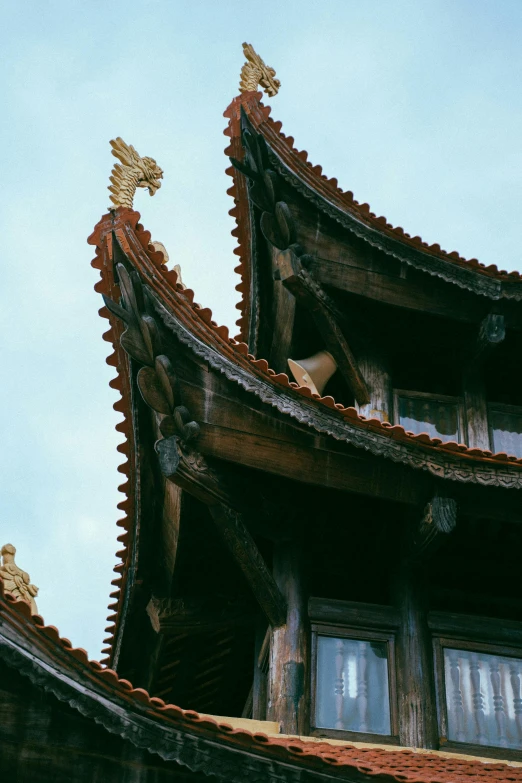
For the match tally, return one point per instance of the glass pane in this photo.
(507, 432)
(352, 686)
(438, 419)
(483, 698)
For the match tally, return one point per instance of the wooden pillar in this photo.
(289, 685)
(374, 369)
(415, 680)
(476, 409)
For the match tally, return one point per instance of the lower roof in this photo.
(205, 744)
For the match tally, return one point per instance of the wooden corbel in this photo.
(189, 470)
(326, 316)
(438, 520)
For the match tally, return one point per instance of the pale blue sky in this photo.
(414, 105)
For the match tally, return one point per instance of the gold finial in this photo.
(255, 73)
(136, 172)
(17, 582)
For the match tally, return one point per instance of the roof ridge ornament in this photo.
(255, 73)
(133, 172)
(17, 582)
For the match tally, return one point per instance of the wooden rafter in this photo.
(197, 615)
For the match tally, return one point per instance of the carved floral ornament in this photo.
(17, 582)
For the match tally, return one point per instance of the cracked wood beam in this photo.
(189, 470)
(438, 520)
(326, 316)
(197, 615)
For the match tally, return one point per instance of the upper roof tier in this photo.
(282, 166)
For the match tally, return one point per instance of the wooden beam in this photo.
(310, 294)
(438, 520)
(374, 367)
(189, 470)
(197, 615)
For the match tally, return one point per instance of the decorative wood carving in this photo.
(438, 520)
(492, 332)
(136, 172)
(17, 582)
(190, 471)
(255, 73)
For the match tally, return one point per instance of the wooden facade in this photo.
(344, 566)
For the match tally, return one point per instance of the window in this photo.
(353, 685)
(438, 415)
(505, 428)
(483, 698)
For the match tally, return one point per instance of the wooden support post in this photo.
(415, 680)
(289, 651)
(375, 370)
(491, 333)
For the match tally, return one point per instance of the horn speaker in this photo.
(314, 372)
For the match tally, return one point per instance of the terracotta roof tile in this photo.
(391, 764)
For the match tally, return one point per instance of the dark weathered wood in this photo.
(311, 296)
(189, 470)
(476, 628)
(415, 677)
(375, 370)
(261, 666)
(197, 615)
(437, 522)
(492, 332)
(476, 409)
(289, 649)
(281, 322)
(353, 614)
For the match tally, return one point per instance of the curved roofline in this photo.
(194, 326)
(293, 165)
(200, 742)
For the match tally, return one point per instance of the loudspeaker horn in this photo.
(314, 372)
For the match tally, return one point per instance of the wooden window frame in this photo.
(366, 635)
(501, 407)
(444, 398)
(449, 637)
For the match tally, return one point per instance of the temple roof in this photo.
(202, 743)
(293, 165)
(119, 235)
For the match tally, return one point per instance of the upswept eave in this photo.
(294, 166)
(199, 742)
(193, 325)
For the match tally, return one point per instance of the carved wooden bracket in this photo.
(189, 470)
(326, 316)
(492, 332)
(438, 520)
